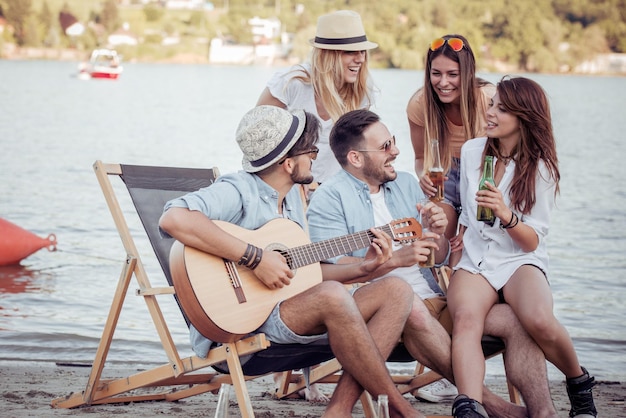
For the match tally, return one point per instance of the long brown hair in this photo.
(525, 99)
(327, 79)
(435, 118)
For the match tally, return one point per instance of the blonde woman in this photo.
(334, 82)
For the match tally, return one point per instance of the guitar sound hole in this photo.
(284, 251)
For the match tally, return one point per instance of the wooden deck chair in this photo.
(329, 372)
(149, 188)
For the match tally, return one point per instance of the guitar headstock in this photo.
(405, 229)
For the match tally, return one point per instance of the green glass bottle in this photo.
(482, 213)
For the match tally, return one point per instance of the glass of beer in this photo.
(435, 175)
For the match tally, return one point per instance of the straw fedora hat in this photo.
(341, 31)
(266, 134)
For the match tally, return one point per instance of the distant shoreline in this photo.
(13, 53)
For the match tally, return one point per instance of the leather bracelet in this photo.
(247, 257)
(257, 258)
(510, 222)
(513, 223)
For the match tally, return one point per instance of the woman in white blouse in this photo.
(507, 261)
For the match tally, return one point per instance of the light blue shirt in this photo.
(243, 199)
(342, 206)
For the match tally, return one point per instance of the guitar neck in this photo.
(323, 250)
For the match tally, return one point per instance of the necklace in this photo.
(505, 160)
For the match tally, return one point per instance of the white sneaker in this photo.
(439, 391)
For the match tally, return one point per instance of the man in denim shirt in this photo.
(363, 328)
(369, 192)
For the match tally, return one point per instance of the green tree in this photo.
(17, 13)
(153, 12)
(30, 35)
(109, 16)
(46, 23)
(517, 35)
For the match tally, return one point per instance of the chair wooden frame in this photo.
(177, 377)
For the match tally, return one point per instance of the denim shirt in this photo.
(342, 206)
(243, 199)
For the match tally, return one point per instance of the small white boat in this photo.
(103, 63)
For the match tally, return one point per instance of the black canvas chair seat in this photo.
(491, 347)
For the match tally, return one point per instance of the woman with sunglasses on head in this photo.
(334, 82)
(506, 260)
(450, 108)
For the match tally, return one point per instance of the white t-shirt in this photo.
(298, 95)
(412, 275)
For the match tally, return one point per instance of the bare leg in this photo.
(429, 343)
(451, 230)
(360, 346)
(524, 362)
(530, 296)
(470, 297)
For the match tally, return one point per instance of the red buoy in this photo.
(17, 243)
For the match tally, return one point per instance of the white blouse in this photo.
(489, 250)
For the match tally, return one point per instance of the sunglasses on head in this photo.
(456, 44)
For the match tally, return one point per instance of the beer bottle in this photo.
(482, 213)
(435, 173)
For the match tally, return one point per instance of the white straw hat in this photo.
(341, 31)
(266, 134)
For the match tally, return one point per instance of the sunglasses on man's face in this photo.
(456, 44)
(311, 152)
(385, 147)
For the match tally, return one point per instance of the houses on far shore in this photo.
(269, 42)
(603, 64)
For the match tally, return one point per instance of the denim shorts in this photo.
(452, 186)
(276, 331)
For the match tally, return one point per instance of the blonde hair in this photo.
(327, 78)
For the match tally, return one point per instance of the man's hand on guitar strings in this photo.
(273, 270)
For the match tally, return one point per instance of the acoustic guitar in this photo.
(225, 301)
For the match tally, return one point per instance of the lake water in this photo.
(53, 126)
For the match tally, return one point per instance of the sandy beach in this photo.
(27, 388)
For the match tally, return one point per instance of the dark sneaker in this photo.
(580, 396)
(464, 407)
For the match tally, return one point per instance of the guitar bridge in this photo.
(235, 281)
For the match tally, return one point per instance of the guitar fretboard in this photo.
(323, 250)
